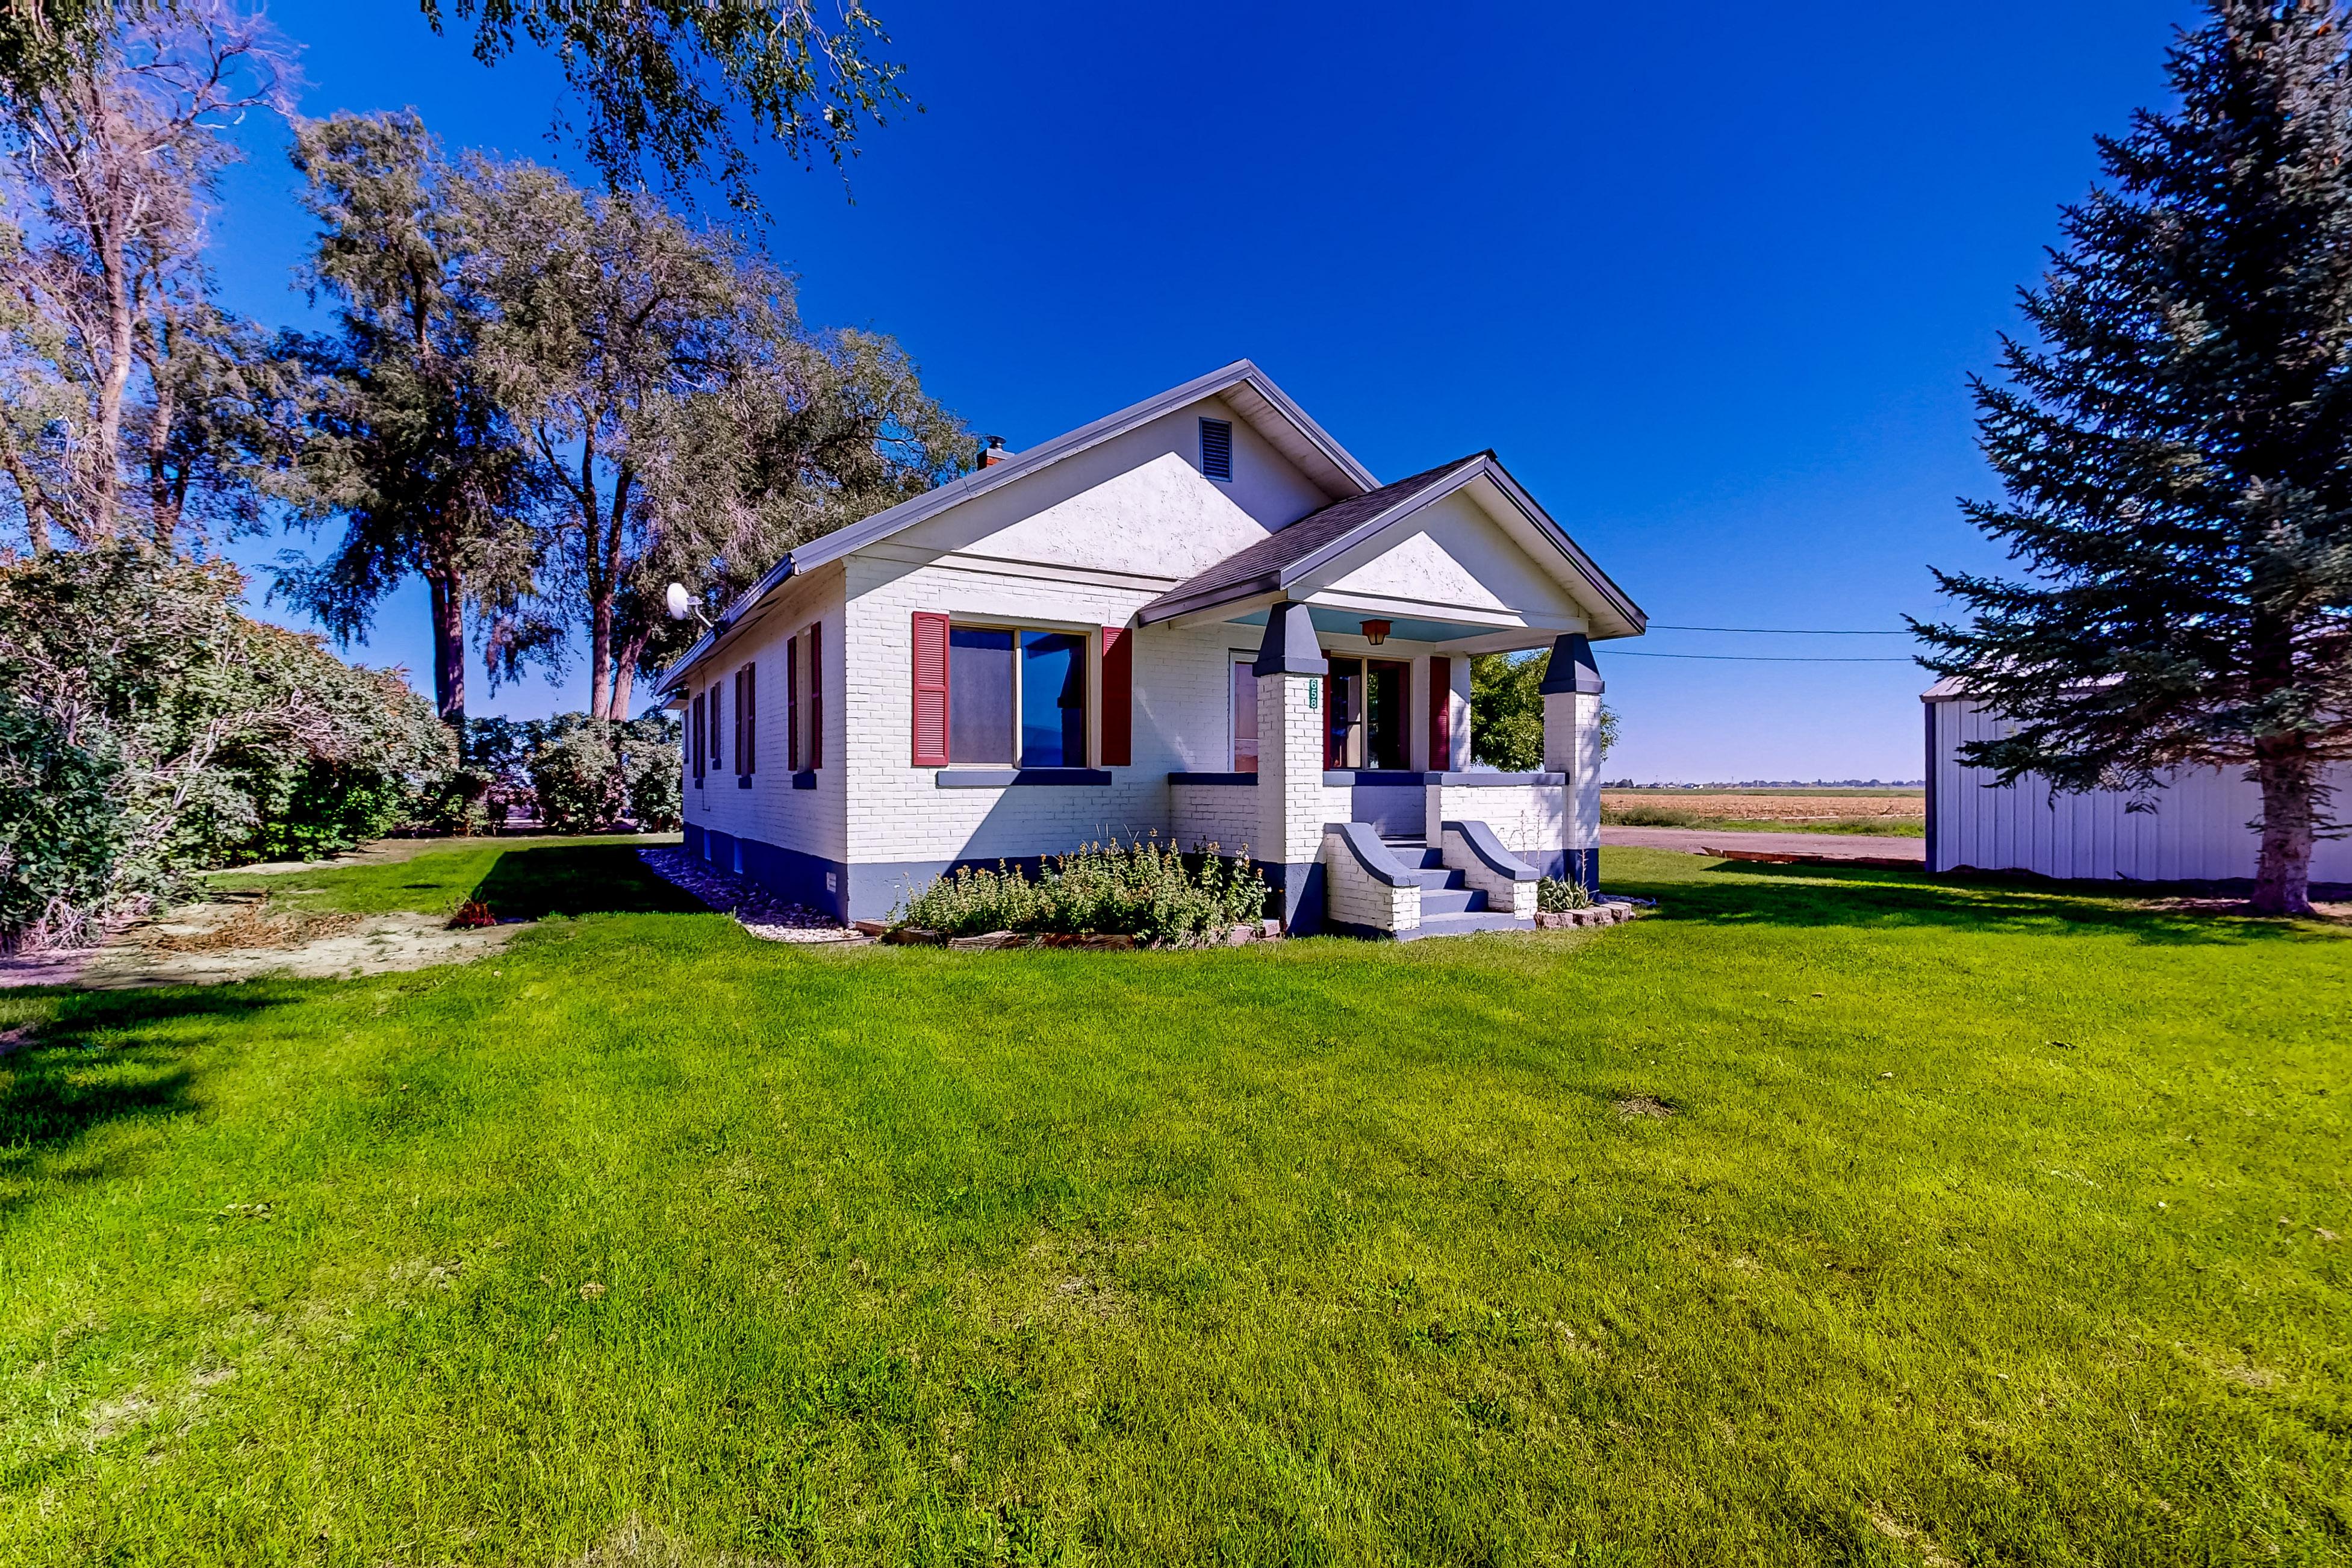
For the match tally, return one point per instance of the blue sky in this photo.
(1710, 278)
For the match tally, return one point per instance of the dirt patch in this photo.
(190, 948)
(254, 925)
(1643, 1105)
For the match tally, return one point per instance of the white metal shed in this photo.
(2201, 829)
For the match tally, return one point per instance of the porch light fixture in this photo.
(1376, 632)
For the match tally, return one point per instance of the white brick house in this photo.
(1199, 616)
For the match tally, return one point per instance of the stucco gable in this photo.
(1451, 553)
(1138, 504)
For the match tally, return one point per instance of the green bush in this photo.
(62, 832)
(588, 776)
(1145, 890)
(1555, 896)
(175, 734)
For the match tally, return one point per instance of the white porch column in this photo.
(1571, 695)
(1290, 670)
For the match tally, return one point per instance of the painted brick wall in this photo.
(1353, 895)
(1531, 819)
(1572, 746)
(898, 812)
(772, 811)
(1222, 814)
(1294, 802)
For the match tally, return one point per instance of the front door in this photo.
(1367, 715)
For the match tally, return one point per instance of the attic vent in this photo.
(1217, 449)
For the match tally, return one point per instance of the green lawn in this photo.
(527, 879)
(1986, 1229)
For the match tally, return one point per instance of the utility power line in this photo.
(1754, 658)
(1778, 631)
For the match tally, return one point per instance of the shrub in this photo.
(588, 775)
(172, 733)
(1555, 896)
(1145, 888)
(579, 780)
(62, 832)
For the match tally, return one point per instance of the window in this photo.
(792, 704)
(1217, 449)
(1016, 697)
(804, 701)
(747, 721)
(1244, 716)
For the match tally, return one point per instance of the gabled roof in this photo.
(1285, 557)
(1267, 564)
(1246, 389)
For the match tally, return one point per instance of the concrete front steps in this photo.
(1447, 907)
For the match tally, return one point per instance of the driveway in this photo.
(1701, 840)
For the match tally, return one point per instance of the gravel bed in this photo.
(758, 910)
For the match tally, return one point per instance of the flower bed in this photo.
(1146, 891)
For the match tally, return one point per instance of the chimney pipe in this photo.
(992, 451)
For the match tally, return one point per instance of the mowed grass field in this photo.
(1895, 813)
(1990, 1225)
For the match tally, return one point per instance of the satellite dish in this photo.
(680, 605)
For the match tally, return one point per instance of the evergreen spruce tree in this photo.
(2176, 451)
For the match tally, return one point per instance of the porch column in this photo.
(1290, 670)
(1571, 697)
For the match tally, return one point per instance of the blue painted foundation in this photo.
(869, 891)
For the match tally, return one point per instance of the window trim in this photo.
(1090, 654)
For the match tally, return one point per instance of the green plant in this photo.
(1144, 889)
(1556, 896)
(1507, 711)
(170, 732)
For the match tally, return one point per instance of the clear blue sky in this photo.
(1710, 278)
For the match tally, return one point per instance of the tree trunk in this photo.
(448, 644)
(625, 673)
(600, 657)
(2285, 768)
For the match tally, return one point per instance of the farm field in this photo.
(1896, 813)
(1827, 1215)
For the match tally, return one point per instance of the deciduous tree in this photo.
(130, 404)
(407, 443)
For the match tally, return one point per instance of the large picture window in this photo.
(1016, 696)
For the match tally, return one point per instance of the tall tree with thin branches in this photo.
(129, 394)
(2173, 448)
(407, 442)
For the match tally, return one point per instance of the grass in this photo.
(522, 879)
(1985, 1228)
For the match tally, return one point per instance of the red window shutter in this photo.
(1441, 713)
(735, 688)
(750, 731)
(694, 734)
(931, 691)
(816, 696)
(1117, 697)
(792, 704)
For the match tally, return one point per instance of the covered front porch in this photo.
(1351, 772)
